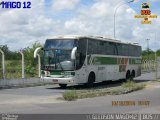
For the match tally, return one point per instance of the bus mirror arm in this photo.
(73, 53)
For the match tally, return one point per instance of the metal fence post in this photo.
(158, 68)
(3, 64)
(21, 52)
(39, 65)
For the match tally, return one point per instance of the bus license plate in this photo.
(55, 80)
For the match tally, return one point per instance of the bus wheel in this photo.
(91, 79)
(63, 85)
(128, 76)
(132, 74)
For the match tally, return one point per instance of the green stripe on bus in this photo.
(112, 61)
(62, 73)
(55, 72)
(104, 60)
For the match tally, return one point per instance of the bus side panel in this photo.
(80, 75)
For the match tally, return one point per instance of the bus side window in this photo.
(111, 48)
(120, 48)
(115, 50)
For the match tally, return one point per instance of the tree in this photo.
(148, 54)
(30, 62)
(9, 55)
(158, 52)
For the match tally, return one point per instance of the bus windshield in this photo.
(59, 44)
(57, 54)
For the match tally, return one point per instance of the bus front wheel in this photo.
(63, 85)
(91, 79)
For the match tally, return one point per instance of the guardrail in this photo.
(30, 82)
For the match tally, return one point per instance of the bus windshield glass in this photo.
(57, 54)
(59, 44)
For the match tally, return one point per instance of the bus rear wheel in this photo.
(132, 74)
(91, 79)
(128, 76)
(63, 85)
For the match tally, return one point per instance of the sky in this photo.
(20, 28)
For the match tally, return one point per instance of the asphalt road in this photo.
(42, 99)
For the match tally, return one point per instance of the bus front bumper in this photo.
(70, 80)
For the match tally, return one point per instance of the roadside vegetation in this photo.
(132, 86)
(148, 60)
(125, 88)
(150, 54)
(158, 80)
(70, 95)
(13, 62)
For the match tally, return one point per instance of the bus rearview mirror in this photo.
(73, 53)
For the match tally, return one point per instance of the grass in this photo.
(130, 85)
(13, 70)
(70, 95)
(158, 80)
(125, 88)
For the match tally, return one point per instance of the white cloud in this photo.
(155, 0)
(59, 5)
(20, 28)
(98, 20)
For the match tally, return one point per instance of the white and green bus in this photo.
(83, 59)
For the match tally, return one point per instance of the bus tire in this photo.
(132, 74)
(91, 79)
(128, 76)
(63, 85)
